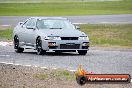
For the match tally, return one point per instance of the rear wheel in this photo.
(40, 51)
(82, 52)
(16, 45)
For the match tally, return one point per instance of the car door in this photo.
(29, 32)
(21, 34)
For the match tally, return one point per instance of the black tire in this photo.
(81, 80)
(40, 51)
(16, 45)
(82, 52)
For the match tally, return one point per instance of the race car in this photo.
(49, 34)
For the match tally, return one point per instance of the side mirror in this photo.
(77, 27)
(21, 23)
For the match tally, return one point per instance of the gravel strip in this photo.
(12, 76)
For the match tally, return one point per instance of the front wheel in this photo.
(40, 51)
(16, 45)
(82, 52)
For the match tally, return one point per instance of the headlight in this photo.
(83, 38)
(53, 38)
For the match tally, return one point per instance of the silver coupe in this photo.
(49, 34)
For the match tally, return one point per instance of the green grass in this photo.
(66, 8)
(57, 74)
(41, 76)
(109, 35)
(6, 34)
(42, 1)
(100, 35)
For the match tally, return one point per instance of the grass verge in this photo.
(66, 8)
(109, 35)
(6, 34)
(56, 74)
(99, 34)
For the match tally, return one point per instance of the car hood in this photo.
(62, 32)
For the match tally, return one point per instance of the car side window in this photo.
(30, 23)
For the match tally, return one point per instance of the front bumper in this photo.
(65, 45)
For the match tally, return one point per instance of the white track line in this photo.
(54, 68)
(4, 55)
(72, 70)
(2, 43)
(5, 25)
(16, 64)
(9, 63)
(35, 66)
(80, 23)
(44, 67)
(27, 65)
(3, 62)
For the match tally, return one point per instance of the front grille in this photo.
(69, 38)
(64, 46)
(52, 47)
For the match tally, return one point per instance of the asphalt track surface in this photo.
(96, 61)
(91, 19)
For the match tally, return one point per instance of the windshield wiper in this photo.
(55, 28)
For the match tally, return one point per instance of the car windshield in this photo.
(54, 24)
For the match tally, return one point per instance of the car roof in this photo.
(54, 18)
